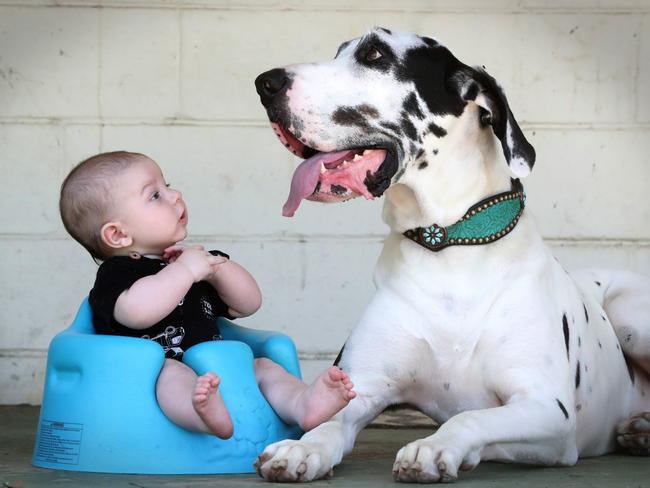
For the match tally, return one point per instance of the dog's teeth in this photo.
(366, 151)
(357, 157)
(322, 168)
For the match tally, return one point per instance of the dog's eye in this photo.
(373, 54)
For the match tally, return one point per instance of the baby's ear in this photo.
(114, 237)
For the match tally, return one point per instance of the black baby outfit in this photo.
(191, 322)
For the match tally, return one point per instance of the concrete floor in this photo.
(369, 465)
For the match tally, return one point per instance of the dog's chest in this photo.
(450, 378)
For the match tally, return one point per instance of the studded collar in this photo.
(487, 221)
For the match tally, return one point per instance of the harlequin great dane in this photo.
(473, 322)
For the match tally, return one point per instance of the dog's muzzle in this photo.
(329, 176)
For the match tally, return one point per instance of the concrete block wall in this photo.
(174, 79)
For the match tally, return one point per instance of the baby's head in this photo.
(118, 202)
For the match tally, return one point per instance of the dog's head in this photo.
(382, 107)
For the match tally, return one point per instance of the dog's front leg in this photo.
(315, 454)
(526, 430)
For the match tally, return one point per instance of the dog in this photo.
(473, 322)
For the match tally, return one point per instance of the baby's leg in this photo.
(192, 402)
(298, 403)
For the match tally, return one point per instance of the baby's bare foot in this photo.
(331, 391)
(210, 407)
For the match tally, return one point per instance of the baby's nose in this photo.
(176, 195)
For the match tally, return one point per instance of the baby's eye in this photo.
(155, 196)
(168, 185)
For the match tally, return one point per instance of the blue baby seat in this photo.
(100, 412)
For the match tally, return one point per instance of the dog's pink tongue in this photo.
(305, 178)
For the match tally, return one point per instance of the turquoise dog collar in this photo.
(487, 221)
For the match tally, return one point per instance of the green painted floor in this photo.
(369, 465)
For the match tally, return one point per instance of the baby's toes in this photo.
(200, 398)
(344, 376)
(335, 374)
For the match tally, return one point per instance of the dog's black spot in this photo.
(391, 127)
(630, 368)
(446, 386)
(579, 342)
(586, 314)
(600, 345)
(429, 68)
(350, 116)
(436, 130)
(338, 358)
(597, 282)
(435, 151)
(419, 154)
(578, 407)
(339, 190)
(564, 411)
(578, 375)
(368, 110)
(386, 31)
(565, 328)
(603, 317)
(413, 148)
(586, 368)
(412, 107)
(408, 128)
(423, 165)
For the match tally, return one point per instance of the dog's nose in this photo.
(270, 84)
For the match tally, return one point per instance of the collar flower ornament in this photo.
(433, 234)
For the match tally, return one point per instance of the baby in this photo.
(119, 207)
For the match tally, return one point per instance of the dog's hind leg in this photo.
(625, 297)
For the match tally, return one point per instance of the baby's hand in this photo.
(220, 260)
(199, 261)
(172, 252)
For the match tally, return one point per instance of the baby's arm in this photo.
(237, 288)
(152, 298)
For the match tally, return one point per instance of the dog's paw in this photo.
(294, 461)
(633, 434)
(427, 461)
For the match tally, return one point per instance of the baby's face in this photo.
(150, 212)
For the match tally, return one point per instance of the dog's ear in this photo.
(476, 85)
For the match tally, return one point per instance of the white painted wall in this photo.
(174, 79)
